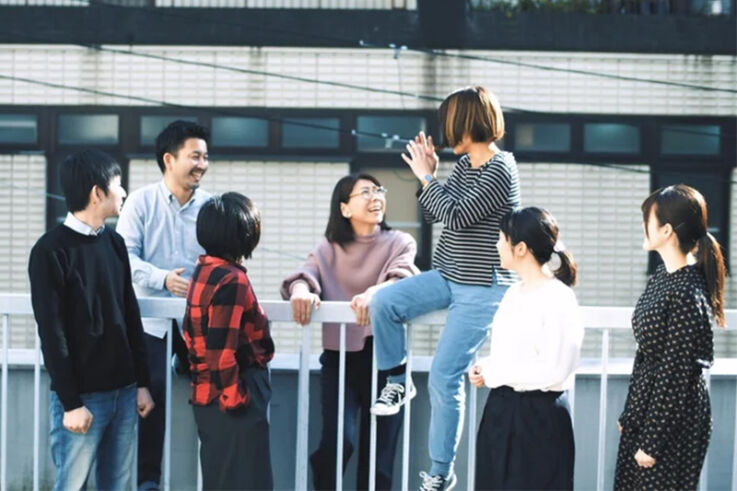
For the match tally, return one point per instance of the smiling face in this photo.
(188, 165)
(366, 205)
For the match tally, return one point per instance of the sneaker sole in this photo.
(392, 410)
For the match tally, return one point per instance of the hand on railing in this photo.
(77, 420)
(475, 377)
(144, 402)
(302, 300)
(360, 305)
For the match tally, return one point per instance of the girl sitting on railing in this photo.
(525, 440)
(358, 256)
(466, 277)
(230, 345)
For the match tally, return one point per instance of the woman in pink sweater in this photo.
(359, 255)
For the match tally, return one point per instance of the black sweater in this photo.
(87, 313)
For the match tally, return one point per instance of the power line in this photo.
(434, 52)
(401, 93)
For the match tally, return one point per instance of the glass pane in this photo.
(100, 129)
(543, 137)
(690, 139)
(240, 132)
(611, 138)
(151, 126)
(18, 128)
(392, 128)
(305, 136)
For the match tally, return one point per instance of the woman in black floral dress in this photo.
(666, 422)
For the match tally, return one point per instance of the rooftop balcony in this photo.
(596, 400)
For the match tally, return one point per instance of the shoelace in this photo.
(387, 393)
(430, 483)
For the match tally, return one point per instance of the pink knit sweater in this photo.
(339, 273)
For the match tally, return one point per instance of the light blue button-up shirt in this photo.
(161, 235)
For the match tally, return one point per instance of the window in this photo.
(310, 133)
(690, 139)
(393, 129)
(611, 138)
(542, 137)
(151, 126)
(81, 129)
(240, 132)
(18, 128)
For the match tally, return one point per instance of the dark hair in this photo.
(229, 226)
(81, 171)
(684, 208)
(472, 111)
(171, 138)
(339, 229)
(538, 229)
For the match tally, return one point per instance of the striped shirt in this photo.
(226, 332)
(470, 205)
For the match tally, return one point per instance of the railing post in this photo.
(472, 404)
(572, 400)
(303, 411)
(341, 412)
(36, 410)
(372, 443)
(407, 411)
(167, 404)
(601, 452)
(4, 410)
(704, 478)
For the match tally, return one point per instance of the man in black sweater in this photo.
(90, 329)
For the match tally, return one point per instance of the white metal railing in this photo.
(599, 318)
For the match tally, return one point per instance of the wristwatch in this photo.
(428, 178)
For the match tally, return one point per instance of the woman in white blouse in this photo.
(525, 440)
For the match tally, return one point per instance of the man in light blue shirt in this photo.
(158, 223)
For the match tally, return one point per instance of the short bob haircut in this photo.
(229, 227)
(82, 171)
(472, 111)
(339, 229)
(172, 138)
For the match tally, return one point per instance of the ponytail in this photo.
(567, 271)
(710, 261)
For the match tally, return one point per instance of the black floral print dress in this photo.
(667, 413)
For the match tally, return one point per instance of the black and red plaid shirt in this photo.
(226, 331)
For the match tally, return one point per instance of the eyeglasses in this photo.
(367, 194)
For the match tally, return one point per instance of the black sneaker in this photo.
(437, 483)
(392, 398)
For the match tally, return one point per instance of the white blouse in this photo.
(536, 339)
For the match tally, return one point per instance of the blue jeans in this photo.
(111, 441)
(471, 309)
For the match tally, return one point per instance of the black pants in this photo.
(151, 429)
(525, 441)
(235, 452)
(358, 398)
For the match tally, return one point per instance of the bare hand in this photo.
(422, 158)
(175, 283)
(475, 377)
(144, 402)
(643, 459)
(78, 420)
(619, 427)
(360, 305)
(302, 300)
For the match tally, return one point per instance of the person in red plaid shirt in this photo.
(227, 334)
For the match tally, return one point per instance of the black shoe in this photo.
(437, 483)
(392, 398)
